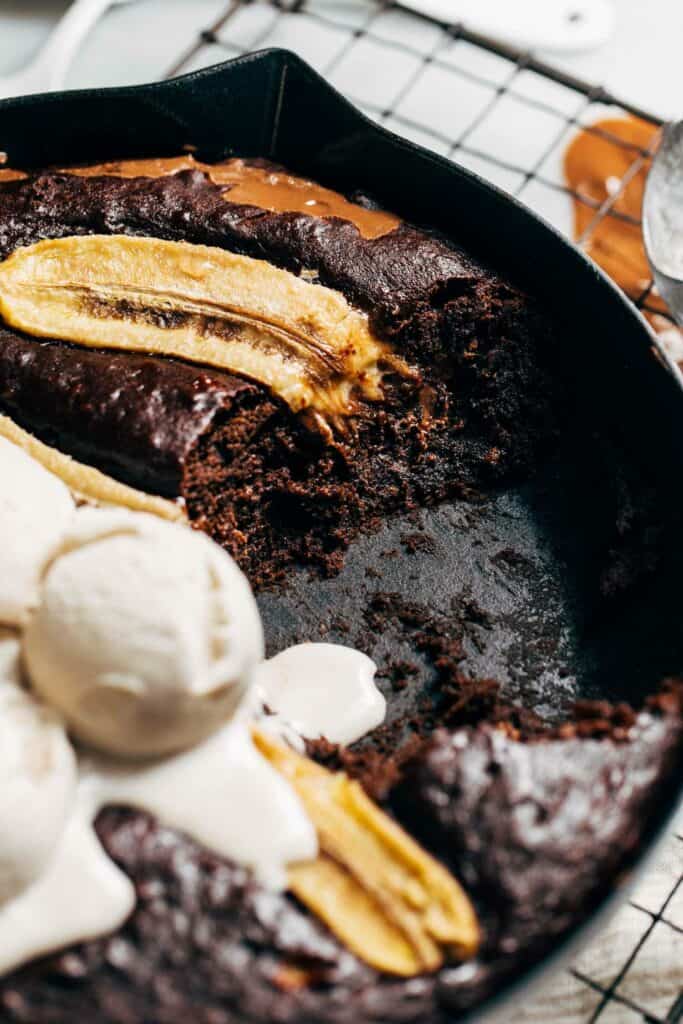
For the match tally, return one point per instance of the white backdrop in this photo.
(643, 62)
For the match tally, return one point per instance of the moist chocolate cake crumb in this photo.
(477, 411)
(400, 673)
(284, 495)
(378, 761)
(418, 542)
(439, 638)
(379, 767)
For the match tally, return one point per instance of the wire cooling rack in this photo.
(509, 117)
(497, 110)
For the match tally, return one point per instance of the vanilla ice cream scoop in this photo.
(35, 510)
(145, 634)
(37, 780)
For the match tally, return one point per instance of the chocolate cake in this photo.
(252, 474)
(459, 396)
(535, 828)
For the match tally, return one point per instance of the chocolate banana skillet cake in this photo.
(348, 328)
(235, 349)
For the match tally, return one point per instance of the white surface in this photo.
(452, 98)
(48, 68)
(641, 62)
(558, 25)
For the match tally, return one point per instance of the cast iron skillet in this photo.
(530, 560)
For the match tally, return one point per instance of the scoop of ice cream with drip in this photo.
(145, 634)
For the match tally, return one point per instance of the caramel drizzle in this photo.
(7, 174)
(251, 185)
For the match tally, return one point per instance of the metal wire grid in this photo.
(330, 37)
(382, 56)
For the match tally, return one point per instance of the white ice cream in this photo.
(10, 657)
(226, 795)
(323, 690)
(35, 510)
(37, 780)
(223, 793)
(80, 895)
(145, 634)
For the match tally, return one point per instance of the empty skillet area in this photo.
(559, 588)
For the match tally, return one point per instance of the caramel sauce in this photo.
(257, 186)
(594, 164)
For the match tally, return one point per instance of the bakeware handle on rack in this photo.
(47, 71)
(559, 25)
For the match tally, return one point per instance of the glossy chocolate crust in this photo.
(556, 817)
(278, 496)
(134, 416)
(423, 295)
(396, 277)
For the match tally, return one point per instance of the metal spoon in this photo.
(47, 71)
(663, 218)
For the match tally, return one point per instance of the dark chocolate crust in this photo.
(133, 416)
(538, 830)
(423, 294)
(254, 476)
(395, 277)
(555, 817)
(206, 945)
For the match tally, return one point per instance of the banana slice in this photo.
(85, 482)
(301, 340)
(377, 890)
